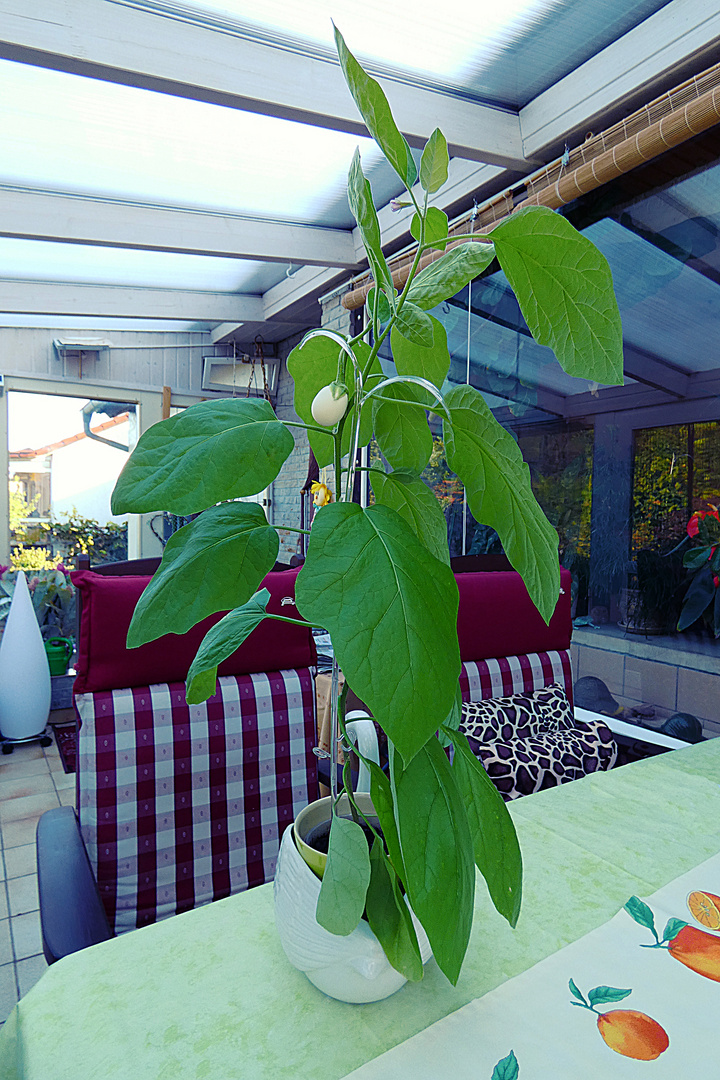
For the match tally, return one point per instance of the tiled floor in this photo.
(32, 780)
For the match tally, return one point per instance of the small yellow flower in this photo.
(321, 494)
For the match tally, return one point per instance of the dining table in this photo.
(210, 993)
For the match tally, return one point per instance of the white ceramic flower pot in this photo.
(352, 968)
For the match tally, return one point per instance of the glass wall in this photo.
(618, 470)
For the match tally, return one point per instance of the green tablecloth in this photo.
(210, 993)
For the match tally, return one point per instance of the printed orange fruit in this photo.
(697, 950)
(705, 907)
(633, 1034)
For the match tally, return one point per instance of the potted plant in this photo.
(378, 579)
(702, 598)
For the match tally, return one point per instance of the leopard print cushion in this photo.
(528, 742)
(519, 716)
(524, 766)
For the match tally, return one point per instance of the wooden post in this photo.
(167, 393)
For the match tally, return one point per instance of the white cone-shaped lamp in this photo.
(24, 670)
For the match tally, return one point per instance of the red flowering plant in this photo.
(703, 564)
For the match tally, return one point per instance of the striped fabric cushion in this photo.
(180, 805)
(515, 675)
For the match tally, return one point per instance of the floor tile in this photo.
(12, 768)
(29, 971)
(18, 833)
(8, 990)
(67, 796)
(26, 935)
(6, 949)
(20, 861)
(29, 806)
(25, 752)
(23, 895)
(4, 913)
(25, 786)
(62, 780)
(52, 757)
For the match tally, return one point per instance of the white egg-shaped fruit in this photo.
(329, 405)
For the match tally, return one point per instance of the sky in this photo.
(34, 420)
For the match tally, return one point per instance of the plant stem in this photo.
(286, 618)
(477, 237)
(334, 699)
(308, 427)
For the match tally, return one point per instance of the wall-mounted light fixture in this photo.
(241, 374)
(82, 349)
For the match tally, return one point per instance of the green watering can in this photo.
(59, 650)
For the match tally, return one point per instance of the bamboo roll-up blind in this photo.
(671, 119)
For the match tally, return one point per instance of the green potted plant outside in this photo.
(378, 579)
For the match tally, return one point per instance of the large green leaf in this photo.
(391, 610)
(489, 463)
(700, 594)
(413, 500)
(415, 325)
(437, 852)
(345, 880)
(390, 919)
(213, 451)
(214, 563)
(384, 311)
(564, 287)
(363, 210)
(435, 233)
(221, 641)
(696, 557)
(382, 800)
(314, 364)
(495, 842)
(402, 430)
(375, 111)
(447, 275)
(452, 721)
(428, 362)
(434, 162)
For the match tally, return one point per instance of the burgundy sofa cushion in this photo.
(497, 617)
(105, 663)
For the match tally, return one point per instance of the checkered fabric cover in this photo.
(515, 675)
(182, 804)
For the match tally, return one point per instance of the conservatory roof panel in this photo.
(70, 133)
(503, 53)
(225, 114)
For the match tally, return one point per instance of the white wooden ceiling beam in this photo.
(44, 215)
(465, 180)
(224, 332)
(193, 58)
(680, 30)
(63, 298)
(270, 332)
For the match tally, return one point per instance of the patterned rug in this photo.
(66, 740)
